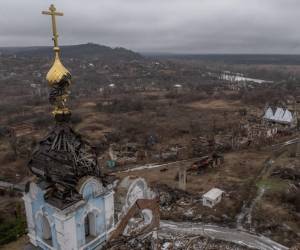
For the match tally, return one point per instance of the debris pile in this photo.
(126, 154)
(141, 242)
(182, 242)
(202, 146)
(213, 161)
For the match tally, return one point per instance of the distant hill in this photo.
(234, 58)
(89, 50)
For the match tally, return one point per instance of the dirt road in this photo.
(220, 233)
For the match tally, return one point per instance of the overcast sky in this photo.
(174, 26)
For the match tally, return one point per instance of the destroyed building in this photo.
(257, 133)
(120, 155)
(70, 204)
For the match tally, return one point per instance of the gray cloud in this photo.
(176, 26)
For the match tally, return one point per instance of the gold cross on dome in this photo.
(52, 12)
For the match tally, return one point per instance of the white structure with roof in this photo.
(212, 197)
(281, 116)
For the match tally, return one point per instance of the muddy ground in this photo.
(174, 119)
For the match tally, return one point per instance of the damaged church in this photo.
(70, 204)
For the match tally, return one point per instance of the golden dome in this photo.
(58, 71)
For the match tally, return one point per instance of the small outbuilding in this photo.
(212, 197)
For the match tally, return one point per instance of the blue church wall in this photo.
(41, 209)
(51, 228)
(95, 206)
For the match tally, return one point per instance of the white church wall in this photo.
(67, 230)
(95, 207)
(109, 211)
(40, 212)
(30, 219)
(65, 226)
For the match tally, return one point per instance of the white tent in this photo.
(269, 114)
(278, 114)
(281, 115)
(287, 117)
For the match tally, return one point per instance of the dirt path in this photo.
(152, 166)
(245, 216)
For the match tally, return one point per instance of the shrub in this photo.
(12, 229)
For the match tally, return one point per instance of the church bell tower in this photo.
(69, 206)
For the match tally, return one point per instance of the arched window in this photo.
(46, 231)
(90, 227)
(87, 226)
